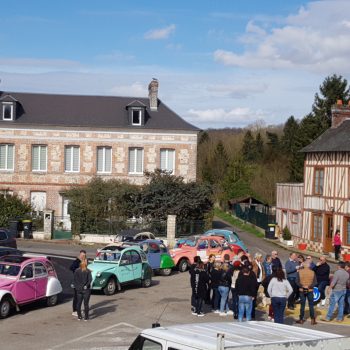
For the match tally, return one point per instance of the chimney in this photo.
(340, 113)
(153, 94)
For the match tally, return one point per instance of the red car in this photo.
(205, 245)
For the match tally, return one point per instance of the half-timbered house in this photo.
(325, 197)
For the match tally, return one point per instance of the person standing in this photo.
(292, 266)
(268, 265)
(82, 285)
(279, 290)
(259, 271)
(306, 281)
(246, 287)
(265, 284)
(235, 273)
(322, 271)
(214, 280)
(275, 260)
(209, 268)
(337, 244)
(200, 287)
(347, 296)
(224, 288)
(196, 261)
(338, 285)
(75, 265)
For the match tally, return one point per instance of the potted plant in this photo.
(287, 236)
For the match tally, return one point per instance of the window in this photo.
(71, 159)
(7, 111)
(6, 157)
(39, 158)
(136, 160)
(347, 231)
(318, 181)
(40, 270)
(167, 160)
(126, 259)
(317, 228)
(295, 218)
(6, 193)
(104, 159)
(3, 236)
(136, 115)
(27, 272)
(135, 257)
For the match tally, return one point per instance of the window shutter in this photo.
(100, 159)
(35, 159)
(139, 160)
(108, 159)
(132, 155)
(2, 157)
(171, 155)
(43, 158)
(67, 159)
(163, 159)
(10, 156)
(75, 158)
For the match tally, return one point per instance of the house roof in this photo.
(37, 109)
(247, 199)
(332, 140)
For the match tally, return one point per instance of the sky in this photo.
(224, 63)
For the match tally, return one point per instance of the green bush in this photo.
(13, 207)
(287, 236)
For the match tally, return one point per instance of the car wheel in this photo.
(166, 272)
(111, 287)
(183, 265)
(52, 300)
(147, 282)
(5, 307)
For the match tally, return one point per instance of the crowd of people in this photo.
(231, 287)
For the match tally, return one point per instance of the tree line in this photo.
(250, 161)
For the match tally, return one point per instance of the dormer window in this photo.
(7, 111)
(136, 115)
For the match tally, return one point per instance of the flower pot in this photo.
(346, 257)
(289, 243)
(302, 246)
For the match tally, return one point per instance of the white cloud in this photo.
(237, 90)
(134, 89)
(217, 117)
(161, 33)
(38, 62)
(316, 39)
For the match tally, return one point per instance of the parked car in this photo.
(25, 279)
(205, 246)
(157, 254)
(190, 240)
(6, 239)
(9, 251)
(113, 268)
(133, 235)
(231, 237)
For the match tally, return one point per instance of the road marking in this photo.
(63, 345)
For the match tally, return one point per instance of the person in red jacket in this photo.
(337, 244)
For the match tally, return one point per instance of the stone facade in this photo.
(55, 181)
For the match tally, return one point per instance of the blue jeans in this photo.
(245, 303)
(310, 298)
(278, 305)
(337, 297)
(223, 301)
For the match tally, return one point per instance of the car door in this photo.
(153, 255)
(26, 285)
(202, 249)
(125, 268)
(40, 275)
(136, 264)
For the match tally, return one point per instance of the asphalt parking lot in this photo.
(115, 320)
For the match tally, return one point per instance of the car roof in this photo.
(158, 241)
(212, 237)
(18, 259)
(237, 335)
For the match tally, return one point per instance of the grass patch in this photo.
(237, 222)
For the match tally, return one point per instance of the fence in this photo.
(257, 218)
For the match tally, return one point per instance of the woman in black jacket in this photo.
(82, 284)
(199, 282)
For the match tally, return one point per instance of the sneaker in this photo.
(339, 320)
(216, 311)
(222, 314)
(325, 320)
(269, 318)
(194, 313)
(74, 313)
(229, 312)
(201, 314)
(86, 319)
(323, 302)
(79, 318)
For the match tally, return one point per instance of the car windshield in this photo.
(9, 270)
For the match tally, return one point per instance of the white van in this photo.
(246, 335)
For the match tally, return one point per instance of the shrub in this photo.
(287, 236)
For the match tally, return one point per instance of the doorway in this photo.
(328, 233)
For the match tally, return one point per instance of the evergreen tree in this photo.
(219, 162)
(259, 146)
(332, 89)
(290, 132)
(248, 150)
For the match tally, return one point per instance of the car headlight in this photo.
(98, 274)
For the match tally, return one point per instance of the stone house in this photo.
(321, 204)
(49, 142)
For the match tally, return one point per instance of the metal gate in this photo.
(62, 227)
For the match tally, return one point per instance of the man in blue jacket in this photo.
(292, 266)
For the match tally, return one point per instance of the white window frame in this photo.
(104, 171)
(7, 145)
(140, 116)
(4, 105)
(166, 150)
(131, 149)
(39, 158)
(71, 170)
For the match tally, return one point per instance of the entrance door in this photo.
(65, 214)
(328, 233)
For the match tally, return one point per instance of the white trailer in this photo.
(251, 335)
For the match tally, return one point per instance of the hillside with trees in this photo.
(250, 161)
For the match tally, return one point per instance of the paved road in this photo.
(115, 320)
